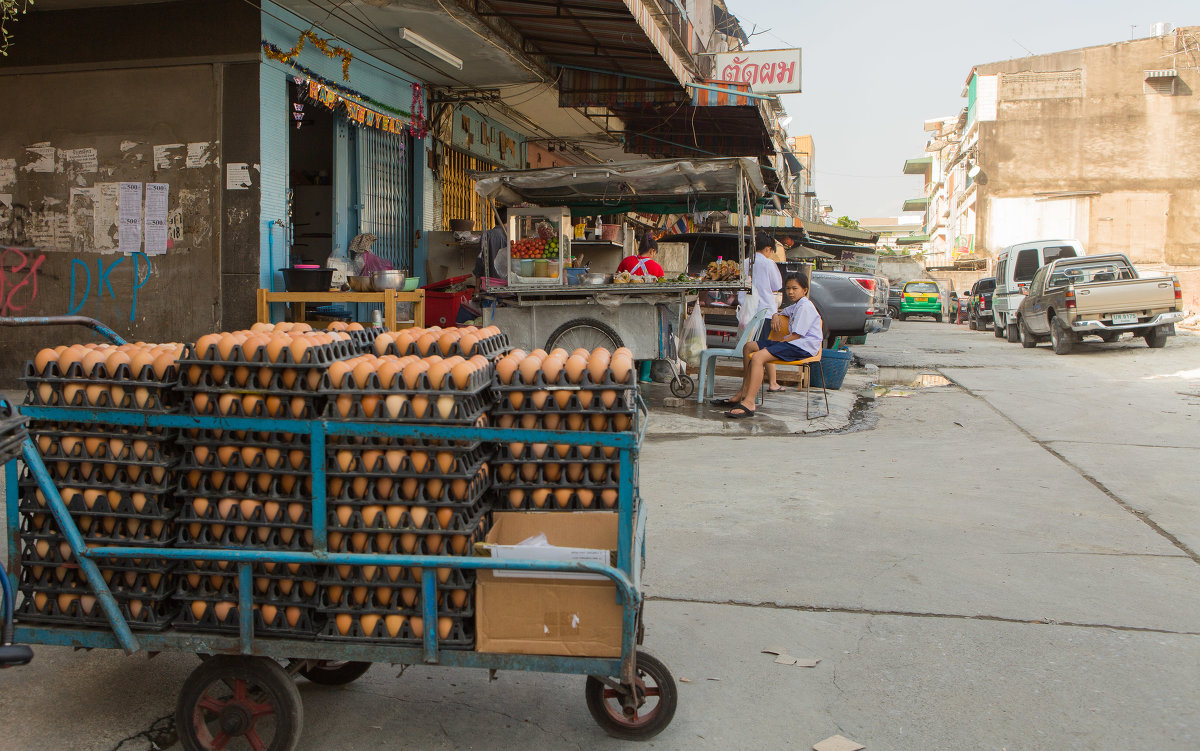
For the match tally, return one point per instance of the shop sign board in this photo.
(767, 71)
(483, 137)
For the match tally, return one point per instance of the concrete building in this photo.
(1100, 144)
(895, 233)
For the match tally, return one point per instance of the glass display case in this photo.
(538, 242)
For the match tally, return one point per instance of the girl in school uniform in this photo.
(802, 323)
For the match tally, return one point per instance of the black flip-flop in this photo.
(732, 415)
(724, 402)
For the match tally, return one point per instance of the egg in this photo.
(575, 366)
(505, 369)
(552, 367)
(205, 345)
(362, 374)
(420, 405)
(598, 364)
(621, 365)
(608, 397)
(467, 344)
(344, 622)
(387, 372)
(163, 364)
(43, 359)
(437, 375)
(461, 374)
(608, 497)
(530, 367)
(425, 343)
(447, 341)
(562, 497)
(91, 360)
(413, 372)
(337, 373)
(539, 497)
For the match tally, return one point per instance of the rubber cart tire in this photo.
(230, 697)
(682, 386)
(584, 332)
(333, 673)
(658, 698)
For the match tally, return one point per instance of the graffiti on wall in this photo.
(81, 287)
(18, 280)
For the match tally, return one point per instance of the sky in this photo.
(873, 72)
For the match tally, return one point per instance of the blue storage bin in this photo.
(834, 366)
(575, 276)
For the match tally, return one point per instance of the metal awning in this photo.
(915, 204)
(606, 48)
(912, 240)
(918, 166)
(655, 186)
(724, 119)
(804, 253)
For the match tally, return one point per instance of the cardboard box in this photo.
(548, 616)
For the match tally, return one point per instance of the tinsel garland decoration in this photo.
(326, 49)
(274, 53)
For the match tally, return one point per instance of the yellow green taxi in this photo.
(921, 299)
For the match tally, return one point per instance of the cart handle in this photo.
(11, 655)
(91, 323)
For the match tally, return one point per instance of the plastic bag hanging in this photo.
(695, 338)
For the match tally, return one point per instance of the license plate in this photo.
(1119, 318)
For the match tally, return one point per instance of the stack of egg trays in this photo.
(55, 590)
(492, 348)
(124, 389)
(12, 432)
(255, 386)
(420, 404)
(284, 597)
(383, 604)
(560, 477)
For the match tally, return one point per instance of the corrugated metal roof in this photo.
(620, 36)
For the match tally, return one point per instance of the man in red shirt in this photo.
(643, 264)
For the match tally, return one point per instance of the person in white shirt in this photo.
(803, 339)
(767, 281)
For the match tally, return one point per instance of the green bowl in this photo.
(411, 283)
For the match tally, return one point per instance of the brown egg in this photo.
(42, 360)
(437, 375)
(420, 405)
(621, 365)
(447, 340)
(575, 366)
(505, 369)
(529, 368)
(608, 397)
(337, 373)
(91, 360)
(598, 364)
(426, 343)
(412, 373)
(609, 497)
(461, 374)
(539, 497)
(387, 372)
(344, 622)
(205, 345)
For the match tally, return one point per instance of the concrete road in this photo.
(1007, 562)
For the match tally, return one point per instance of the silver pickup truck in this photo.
(1072, 297)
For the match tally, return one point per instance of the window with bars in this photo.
(384, 191)
(459, 199)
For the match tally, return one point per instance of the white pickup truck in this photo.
(1072, 297)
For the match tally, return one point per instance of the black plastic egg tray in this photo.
(121, 390)
(306, 624)
(199, 582)
(12, 432)
(100, 527)
(467, 459)
(409, 491)
(152, 583)
(209, 529)
(458, 538)
(421, 403)
(279, 404)
(315, 356)
(141, 613)
(364, 339)
(492, 348)
(461, 635)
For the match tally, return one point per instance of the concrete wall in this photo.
(1085, 122)
(99, 90)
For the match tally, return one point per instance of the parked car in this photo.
(921, 298)
(850, 303)
(979, 304)
(893, 301)
(1015, 267)
(1072, 297)
(956, 307)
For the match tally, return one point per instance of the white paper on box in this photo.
(549, 553)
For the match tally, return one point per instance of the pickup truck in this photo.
(1070, 298)
(979, 305)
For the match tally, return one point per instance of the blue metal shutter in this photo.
(383, 163)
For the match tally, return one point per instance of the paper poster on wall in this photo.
(156, 218)
(104, 222)
(39, 158)
(168, 155)
(8, 174)
(198, 155)
(237, 176)
(129, 218)
(81, 160)
(6, 200)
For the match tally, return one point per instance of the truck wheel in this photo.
(1012, 333)
(938, 318)
(997, 329)
(1156, 338)
(1028, 340)
(971, 323)
(1061, 339)
(893, 311)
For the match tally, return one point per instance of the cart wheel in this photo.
(682, 386)
(632, 717)
(332, 673)
(587, 333)
(239, 702)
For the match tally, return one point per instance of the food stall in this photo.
(549, 304)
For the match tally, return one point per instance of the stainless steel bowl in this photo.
(360, 283)
(389, 279)
(597, 279)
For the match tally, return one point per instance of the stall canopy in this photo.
(656, 186)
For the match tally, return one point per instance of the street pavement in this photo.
(1005, 562)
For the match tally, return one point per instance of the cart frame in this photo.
(626, 575)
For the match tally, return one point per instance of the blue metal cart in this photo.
(631, 697)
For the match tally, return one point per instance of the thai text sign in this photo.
(767, 71)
